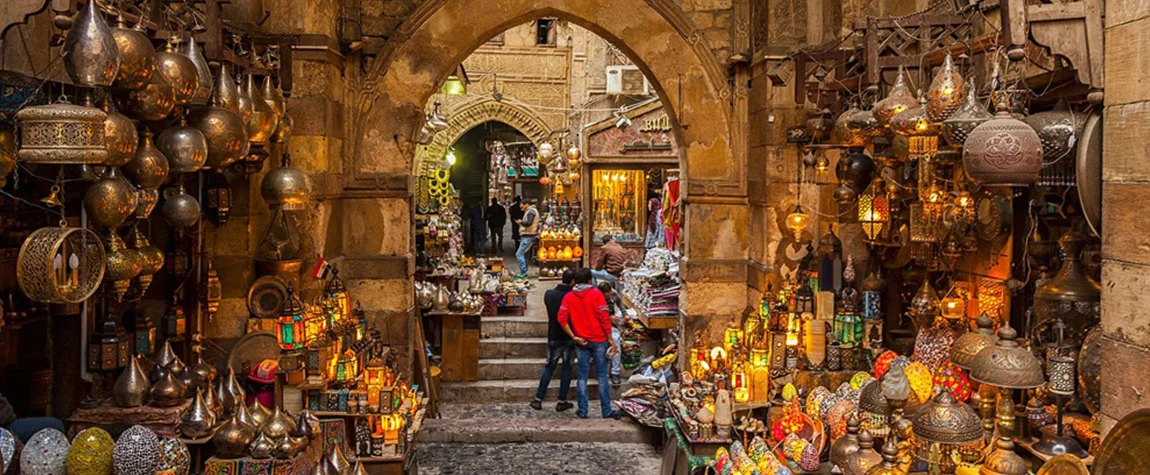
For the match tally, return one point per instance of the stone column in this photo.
(1125, 231)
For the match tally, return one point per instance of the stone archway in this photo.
(464, 117)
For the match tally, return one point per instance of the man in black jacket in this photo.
(516, 214)
(496, 219)
(559, 346)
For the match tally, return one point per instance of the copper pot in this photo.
(181, 210)
(180, 72)
(62, 134)
(120, 137)
(185, 147)
(91, 55)
(149, 168)
(286, 187)
(232, 439)
(154, 101)
(204, 91)
(109, 200)
(137, 58)
(263, 119)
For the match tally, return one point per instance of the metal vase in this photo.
(185, 147)
(91, 55)
(198, 419)
(230, 392)
(131, 389)
(149, 167)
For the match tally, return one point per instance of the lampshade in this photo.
(946, 421)
(970, 115)
(967, 347)
(1006, 364)
(897, 100)
(874, 409)
(1003, 151)
(952, 379)
(874, 210)
(846, 135)
(924, 306)
(946, 91)
(864, 122)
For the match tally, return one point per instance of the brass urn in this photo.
(185, 147)
(181, 210)
(232, 439)
(263, 119)
(261, 447)
(151, 259)
(149, 168)
(137, 58)
(131, 388)
(168, 391)
(224, 130)
(154, 101)
(198, 419)
(91, 55)
(179, 71)
(286, 188)
(109, 200)
(231, 393)
(62, 134)
(122, 264)
(193, 52)
(120, 137)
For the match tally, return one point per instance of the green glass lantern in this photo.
(848, 326)
(290, 326)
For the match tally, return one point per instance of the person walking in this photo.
(615, 309)
(583, 316)
(515, 213)
(560, 346)
(611, 261)
(528, 229)
(478, 230)
(496, 219)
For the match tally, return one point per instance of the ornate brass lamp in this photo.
(946, 91)
(949, 423)
(1007, 366)
(897, 100)
(1071, 297)
(967, 347)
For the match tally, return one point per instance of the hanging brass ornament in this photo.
(843, 132)
(146, 202)
(259, 413)
(865, 123)
(62, 134)
(1003, 151)
(168, 391)
(154, 101)
(225, 92)
(137, 58)
(181, 210)
(921, 133)
(286, 188)
(192, 51)
(91, 55)
(211, 291)
(60, 265)
(970, 115)
(185, 147)
(1058, 130)
(198, 419)
(149, 168)
(274, 97)
(946, 92)
(283, 129)
(244, 104)
(224, 130)
(897, 100)
(1006, 364)
(179, 71)
(122, 265)
(263, 120)
(151, 259)
(131, 388)
(109, 200)
(120, 137)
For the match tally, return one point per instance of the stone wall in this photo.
(1125, 241)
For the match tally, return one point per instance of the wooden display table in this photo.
(652, 323)
(459, 346)
(163, 420)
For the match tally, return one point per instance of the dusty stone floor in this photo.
(538, 459)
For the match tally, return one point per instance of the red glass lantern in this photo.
(953, 378)
(290, 326)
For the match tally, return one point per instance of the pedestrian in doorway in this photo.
(478, 230)
(615, 309)
(516, 213)
(611, 261)
(496, 219)
(583, 316)
(560, 346)
(528, 229)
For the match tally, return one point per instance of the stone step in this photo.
(512, 391)
(521, 368)
(513, 327)
(536, 428)
(519, 347)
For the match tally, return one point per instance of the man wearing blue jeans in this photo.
(559, 346)
(583, 316)
(528, 230)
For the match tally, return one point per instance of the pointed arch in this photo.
(467, 116)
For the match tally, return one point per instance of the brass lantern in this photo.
(946, 91)
(108, 347)
(62, 134)
(137, 58)
(151, 260)
(148, 169)
(1003, 151)
(224, 129)
(192, 51)
(864, 122)
(120, 136)
(843, 132)
(122, 265)
(335, 292)
(1007, 364)
(921, 132)
(91, 55)
(346, 367)
(60, 265)
(957, 127)
(286, 188)
(897, 100)
(263, 120)
(1071, 297)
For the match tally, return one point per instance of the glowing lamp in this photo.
(732, 336)
(314, 324)
(760, 357)
(454, 86)
(883, 362)
(290, 327)
(874, 210)
(335, 292)
(952, 378)
(794, 328)
(953, 308)
(804, 300)
(360, 318)
(346, 367)
(450, 158)
(545, 180)
(921, 381)
(797, 221)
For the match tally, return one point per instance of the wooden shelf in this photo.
(652, 323)
(345, 414)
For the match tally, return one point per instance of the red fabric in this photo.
(585, 311)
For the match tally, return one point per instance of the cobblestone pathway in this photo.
(538, 459)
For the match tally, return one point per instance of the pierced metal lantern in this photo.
(62, 134)
(1007, 364)
(1071, 296)
(921, 132)
(335, 292)
(1003, 151)
(204, 91)
(137, 58)
(149, 167)
(1063, 378)
(179, 71)
(122, 265)
(60, 265)
(967, 346)
(120, 136)
(1058, 129)
(957, 127)
(897, 100)
(151, 260)
(944, 420)
(946, 91)
(865, 123)
(924, 305)
(346, 367)
(286, 188)
(175, 322)
(874, 210)
(109, 347)
(846, 135)
(290, 327)
(91, 55)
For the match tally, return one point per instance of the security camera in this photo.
(622, 123)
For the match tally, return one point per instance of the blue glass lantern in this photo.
(872, 297)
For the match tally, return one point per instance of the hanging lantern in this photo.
(1071, 297)
(179, 71)
(60, 265)
(864, 122)
(335, 292)
(286, 187)
(872, 286)
(946, 91)
(151, 260)
(953, 307)
(804, 300)
(91, 55)
(122, 264)
(290, 327)
(924, 306)
(921, 133)
(957, 127)
(874, 211)
(848, 326)
(1003, 151)
(175, 323)
(108, 347)
(797, 222)
(137, 58)
(843, 132)
(359, 316)
(211, 291)
(62, 134)
(897, 100)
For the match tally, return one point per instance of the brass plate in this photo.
(1089, 172)
(993, 217)
(1122, 450)
(266, 296)
(1064, 464)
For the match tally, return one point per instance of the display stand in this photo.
(558, 264)
(652, 323)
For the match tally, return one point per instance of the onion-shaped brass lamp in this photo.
(967, 346)
(944, 420)
(946, 91)
(897, 100)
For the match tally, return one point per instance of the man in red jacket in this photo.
(583, 315)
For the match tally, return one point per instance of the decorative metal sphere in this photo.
(946, 92)
(109, 200)
(154, 101)
(120, 136)
(286, 188)
(180, 72)
(225, 132)
(1003, 151)
(137, 58)
(149, 168)
(181, 210)
(185, 147)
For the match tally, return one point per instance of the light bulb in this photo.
(450, 158)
